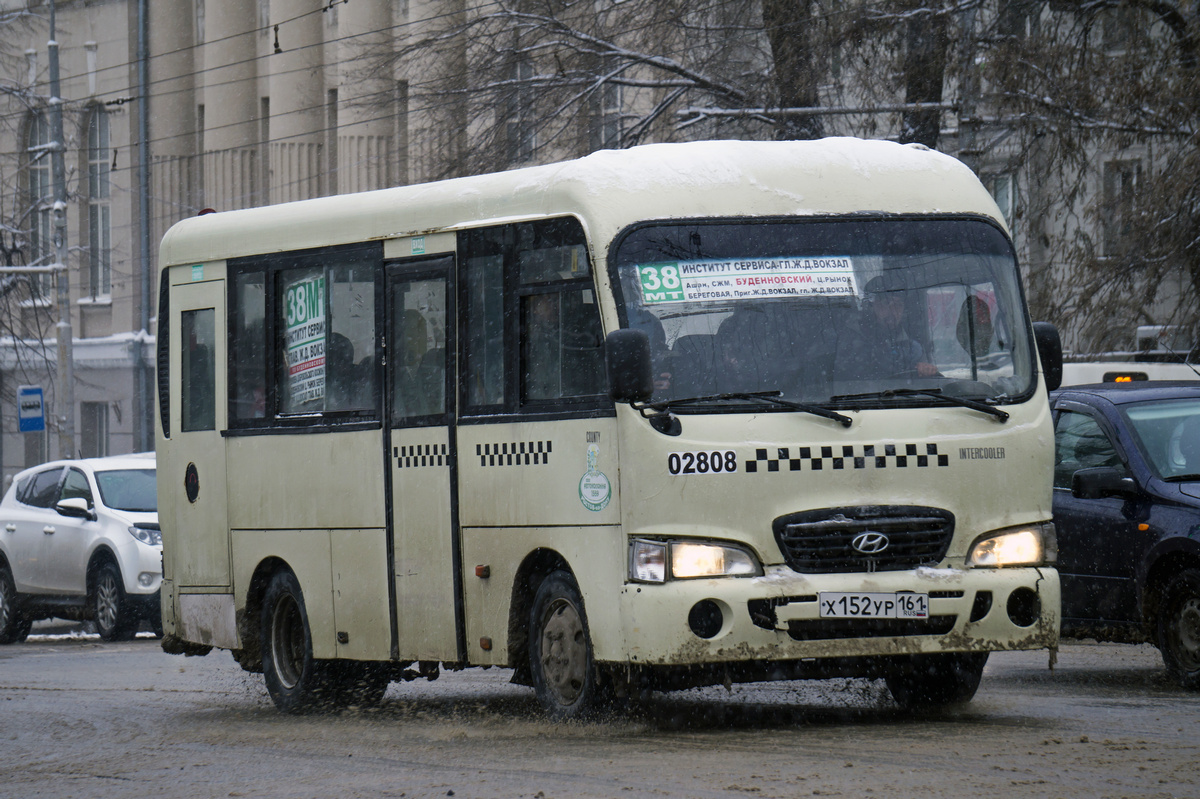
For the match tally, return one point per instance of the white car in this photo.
(79, 539)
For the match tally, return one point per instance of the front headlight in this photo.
(649, 560)
(146, 535)
(1028, 545)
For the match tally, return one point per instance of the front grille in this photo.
(822, 541)
(832, 629)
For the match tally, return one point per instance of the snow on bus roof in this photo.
(610, 189)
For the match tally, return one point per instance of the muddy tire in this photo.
(296, 681)
(1179, 628)
(111, 610)
(14, 627)
(561, 661)
(931, 681)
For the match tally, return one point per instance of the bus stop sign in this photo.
(31, 409)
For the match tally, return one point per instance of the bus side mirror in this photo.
(1101, 481)
(1050, 351)
(627, 357)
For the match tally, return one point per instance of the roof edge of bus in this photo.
(702, 178)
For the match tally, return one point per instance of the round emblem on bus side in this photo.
(870, 542)
(191, 482)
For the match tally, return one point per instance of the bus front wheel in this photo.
(560, 650)
(296, 681)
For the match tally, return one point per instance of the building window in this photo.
(1118, 203)
(93, 421)
(99, 223)
(1003, 188)
(520, 136)
(607, 126)
(40, 201)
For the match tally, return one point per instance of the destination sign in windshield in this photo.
(746, 278)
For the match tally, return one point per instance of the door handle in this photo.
(48, 529)
(10, 527)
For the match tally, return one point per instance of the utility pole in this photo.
(64, 395)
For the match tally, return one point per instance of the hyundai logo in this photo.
(870, 542)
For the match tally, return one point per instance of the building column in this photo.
(297, 87)
(366, 114)
(231, 113)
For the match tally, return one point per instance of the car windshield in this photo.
(835, 312)
(1168, 432)
(131, 490)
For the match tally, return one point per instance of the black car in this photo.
(1127, 512)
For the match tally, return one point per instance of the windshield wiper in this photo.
(751, 396)
(936, 393)
(1182, 478)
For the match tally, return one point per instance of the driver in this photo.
(883, 346)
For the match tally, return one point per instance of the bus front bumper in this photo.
(778, 616)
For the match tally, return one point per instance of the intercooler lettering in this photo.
(981, 453)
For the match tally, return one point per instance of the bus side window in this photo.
(197, 390)
(419, 373)
(561, 345)
(248, 346)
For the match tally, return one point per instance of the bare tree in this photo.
(1094, 104)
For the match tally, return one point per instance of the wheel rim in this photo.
(1185, 634)
(107, 602)
(564, 651)
(287, 641)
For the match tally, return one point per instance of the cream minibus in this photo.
(677, 415)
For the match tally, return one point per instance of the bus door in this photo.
(420, 445)
(197, 345)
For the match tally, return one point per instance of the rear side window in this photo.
(303, 342)
(43, 490)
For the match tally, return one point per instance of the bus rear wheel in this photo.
(561, 661)
(296, 681)
(931, 681)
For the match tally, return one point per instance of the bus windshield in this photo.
(828, 311)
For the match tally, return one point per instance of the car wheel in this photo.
(14, 627)
(296, 681)
(110, 607)
(560, 650)
(1179, 628)
(929, 681)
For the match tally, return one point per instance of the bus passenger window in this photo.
(248, 346)
(562, 352)
(197, 390)
(484, 345)
(327, 315)
(419, 328)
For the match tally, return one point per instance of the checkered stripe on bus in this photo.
(855, 456)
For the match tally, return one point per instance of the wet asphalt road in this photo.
(82, 718)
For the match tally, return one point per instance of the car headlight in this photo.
(649, 561)
(146, 535)
(1028, 545)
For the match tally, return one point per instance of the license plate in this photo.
(873, 605)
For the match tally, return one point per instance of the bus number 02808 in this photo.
(714, 462)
